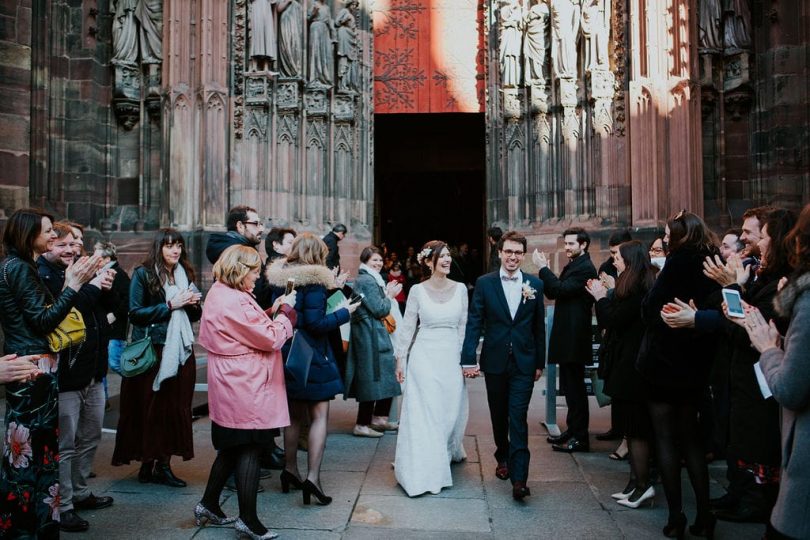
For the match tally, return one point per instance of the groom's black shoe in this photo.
(559, 439)
(609, 435)
(571, 445)
(502, 470)
(520, 491)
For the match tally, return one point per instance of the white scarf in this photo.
(373, 273)
(179, 335)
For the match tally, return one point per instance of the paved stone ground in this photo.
(570, 494)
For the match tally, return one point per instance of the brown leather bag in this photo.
(390, 323)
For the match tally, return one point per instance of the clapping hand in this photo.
(741, 271)
(540, 259)
(81, 271)
(393, 289)
(763, 335)
(104, 279)
(184, 298)
(781, 284)
(719, 272)
(15, 368)
(679, 314)
(596, 288)
(607, 280)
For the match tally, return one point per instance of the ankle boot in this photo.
(163, 475)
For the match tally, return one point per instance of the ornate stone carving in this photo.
(256, 89)
(347, 48)
(344, 108)
(541, 129)
(538, 99)
(287, 97)
(315, 102)
(736, 71)
(290, 37)
(568, 100)
(710, 36)
(238, 44)
(595, 27)
(535, 43)
(619, 63)
(512, 103)
(321, 50)
(738, 102)
(510, 29)
(288, 128)
(316, 133)
(263, 48)
(737, 26)
(708, 102)
(256, 123)
(127, 111)
(565, 16)
(602, 83)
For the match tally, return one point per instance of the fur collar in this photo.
(784, 301)
(304, 274)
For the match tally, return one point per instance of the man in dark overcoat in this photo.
(571, 335)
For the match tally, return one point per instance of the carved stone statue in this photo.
(565, 15)
(137, 32)
(290, 37)
(321, 45)
(535, 42)
(511, 28)
(263, 50)
(737, 36)
(710, 38)
(595, 26)
(347, 47)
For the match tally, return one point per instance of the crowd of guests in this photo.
(689, 377)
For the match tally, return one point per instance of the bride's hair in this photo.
(430, 253)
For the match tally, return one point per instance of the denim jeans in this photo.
(114, 350)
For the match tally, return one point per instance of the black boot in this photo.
(163, 475)
(145, 474)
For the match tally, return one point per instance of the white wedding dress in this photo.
(434, 405)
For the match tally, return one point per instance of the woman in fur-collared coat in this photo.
(313, 281)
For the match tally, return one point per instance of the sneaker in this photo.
(365, 431)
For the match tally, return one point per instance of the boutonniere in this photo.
(527, 291)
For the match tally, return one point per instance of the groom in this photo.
(509, 305)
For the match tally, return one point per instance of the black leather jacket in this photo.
(149, 310)
(27, 312)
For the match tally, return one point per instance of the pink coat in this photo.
(245, 369)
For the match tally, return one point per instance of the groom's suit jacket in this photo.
(489, 314)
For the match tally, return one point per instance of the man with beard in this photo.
(571, 334)
(81, 370)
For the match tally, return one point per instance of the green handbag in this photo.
(138, 356)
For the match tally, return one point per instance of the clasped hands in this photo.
(471, 372)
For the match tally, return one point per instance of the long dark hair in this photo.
(799, 242)
(687, 230)
(22, 228)
(638, 274)
(435, 247)
(776, 262)
(155, 264)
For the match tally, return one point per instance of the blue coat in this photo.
(313, 284)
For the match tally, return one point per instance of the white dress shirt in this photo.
(512, 287)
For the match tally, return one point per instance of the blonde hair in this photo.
(234, 264)
(308, 249)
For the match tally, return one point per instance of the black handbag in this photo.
(299, 359)
(138, 356)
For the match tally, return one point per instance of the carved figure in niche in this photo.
(535, 42)
(565, 15)
(321, 45)
(511, 28)
(290, 37)
(595, 25)
(263, 50)
(347, 47)
(737, 36)
(710, 38)
(137, 32)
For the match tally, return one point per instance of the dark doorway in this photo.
(429, 176)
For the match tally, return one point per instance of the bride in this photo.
(434, 406)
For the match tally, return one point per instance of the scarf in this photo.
(179, 335)
(373, 273)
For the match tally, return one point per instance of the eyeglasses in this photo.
(656, 250)
(509, 253)
(257, 223)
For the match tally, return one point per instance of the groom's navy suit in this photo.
(513, 349)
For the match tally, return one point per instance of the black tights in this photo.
(243, 462)
(677, 424)
(639, 457)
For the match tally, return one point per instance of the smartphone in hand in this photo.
(290, 286)
(733, 303)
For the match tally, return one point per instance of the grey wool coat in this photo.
(370, 363)
(788, 375)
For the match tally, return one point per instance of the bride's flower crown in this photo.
(422, 255)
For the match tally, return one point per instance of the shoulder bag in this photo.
(138, 356)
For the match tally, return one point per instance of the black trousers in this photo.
(508, 395)
(572, 383)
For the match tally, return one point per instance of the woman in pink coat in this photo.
(246, 394)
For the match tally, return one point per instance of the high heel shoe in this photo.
(626, 492)
(311, 489)
(704, 527)
(244, 530)
(647, 495)
(202, 513)
(289, 479)
(675, 528)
